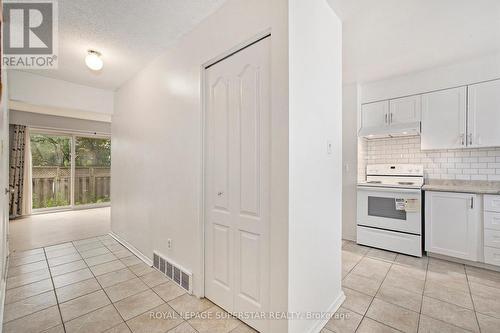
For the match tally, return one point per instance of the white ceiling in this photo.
(129, 34)
(384, 38)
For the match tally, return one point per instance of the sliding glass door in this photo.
(69, 170)
(51, 170)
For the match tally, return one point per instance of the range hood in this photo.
(394, 130)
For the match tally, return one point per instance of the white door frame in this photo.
(264, 34)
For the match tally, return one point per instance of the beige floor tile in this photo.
(109, 241)
(444, 266)
(394, 316)
(82, 305)
(154, 278)
(402, 297)
(64, 259)
(26, 253)
(137, 304)
(58, 247)
(140, 269)
(488, 324)
(445, 293)
(355, 248)
(14, 262)
(28, 290)
(95, 321)
(23, 279)
(125, 289)
(92, 261)
(410, 261)
(450, 313)
(57, 329)
(371, 326)
(94, 252)
(122, 328)
(242, 328)
(68, 268)
(168, 291)
(116, 247)
(187, 304)
(431, 325)
(214, 320)
(28, 306)
(61, 252)
(34, 323)
(483, 276)
(344, 321)
(356, 301)
(186, 328)
(77, 289)
(362, 284)
(88, 240)
(112, 278)
(157, 320)
(89, 246)
(107, 267)
(452, 280)
(122, 253)
(382, 254)
(349, 260)
(404, 277)
(486, 299)
(371, 268)
(23, 269)
(73, 277)
(132, 261)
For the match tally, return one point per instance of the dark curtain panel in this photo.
(16, 172)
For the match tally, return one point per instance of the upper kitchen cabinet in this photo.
(375, 115)
(484, 114)
(444, 119)
(404, 110)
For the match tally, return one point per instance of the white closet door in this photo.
(237, 181)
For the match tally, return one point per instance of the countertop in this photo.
(462, 186)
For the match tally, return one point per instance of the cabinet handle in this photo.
(390, 119)
(462, 139)
(472, 203)
(386, 118)
(470, 139)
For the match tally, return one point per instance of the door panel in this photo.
(405, 110)
(375, 114)
(237, 181)
(484, 114)
(444, 119)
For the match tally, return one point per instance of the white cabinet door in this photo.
(405, 110)
(453, 224)
(484, 114)
(375, 114)
(444, 119)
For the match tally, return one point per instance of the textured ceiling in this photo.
(386, 38)
(129, 34)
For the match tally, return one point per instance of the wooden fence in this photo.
(52, 185)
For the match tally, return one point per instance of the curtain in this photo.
(16, 171)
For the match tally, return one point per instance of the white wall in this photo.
(38, 90)
(349, 159)
(157, 123)
(315, 176)
(456, 74)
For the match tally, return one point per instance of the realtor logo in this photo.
(30, 34)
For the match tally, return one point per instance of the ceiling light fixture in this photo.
(93, 60)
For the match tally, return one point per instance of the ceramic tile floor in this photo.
(389, 292)
(96, 285)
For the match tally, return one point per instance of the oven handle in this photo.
(389, 189)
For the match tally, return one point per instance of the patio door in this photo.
(69, 170)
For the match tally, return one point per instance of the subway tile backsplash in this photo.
(462, 164)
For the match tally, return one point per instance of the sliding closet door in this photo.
(237, 181)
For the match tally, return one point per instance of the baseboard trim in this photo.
(131, 248)
(331, 309)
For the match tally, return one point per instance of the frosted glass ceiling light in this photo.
(93, 60)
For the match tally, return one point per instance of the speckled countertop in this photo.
(462, 186)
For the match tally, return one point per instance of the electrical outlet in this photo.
(169, 244)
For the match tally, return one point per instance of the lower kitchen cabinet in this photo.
(453, 225)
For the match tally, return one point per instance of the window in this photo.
(61, 179)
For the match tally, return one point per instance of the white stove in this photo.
(390, 208)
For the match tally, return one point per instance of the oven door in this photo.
(389, 208)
